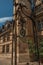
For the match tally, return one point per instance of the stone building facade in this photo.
(6, 35)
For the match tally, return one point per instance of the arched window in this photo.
(40, 25)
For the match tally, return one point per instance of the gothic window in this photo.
(40, 25)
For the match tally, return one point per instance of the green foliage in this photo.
(31, 46)
(41, 48)
(33, 50)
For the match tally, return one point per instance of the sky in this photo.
(6, 10)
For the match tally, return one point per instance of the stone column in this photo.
(17, 35)
(17, 43)
(10, 48)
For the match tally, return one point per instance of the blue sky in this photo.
(6, 10)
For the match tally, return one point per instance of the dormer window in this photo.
(3, 28)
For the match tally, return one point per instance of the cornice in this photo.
(5, 32)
